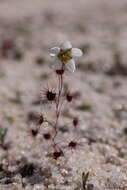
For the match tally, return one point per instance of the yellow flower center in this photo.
(64, 55)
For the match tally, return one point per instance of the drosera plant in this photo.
(63, 62)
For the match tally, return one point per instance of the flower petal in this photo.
(70, 65)
(56, 65)
(75, 52)
(54, 51)
(66, 45)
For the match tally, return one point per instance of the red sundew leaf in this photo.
(72, 144)
(57, 154)
(40, 120)
(75, 121)
(34, 132)
(60, 72)
(69, 97)
(49, 95)
(47, 136)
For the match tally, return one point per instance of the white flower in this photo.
(64, 56)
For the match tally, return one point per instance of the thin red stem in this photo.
(58, 110)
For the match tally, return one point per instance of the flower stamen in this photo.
(64, 55)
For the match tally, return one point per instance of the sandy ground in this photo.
(99, 28)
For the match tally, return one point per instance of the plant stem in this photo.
(58, 110)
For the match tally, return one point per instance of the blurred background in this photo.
(96, 26)
(28, 29)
